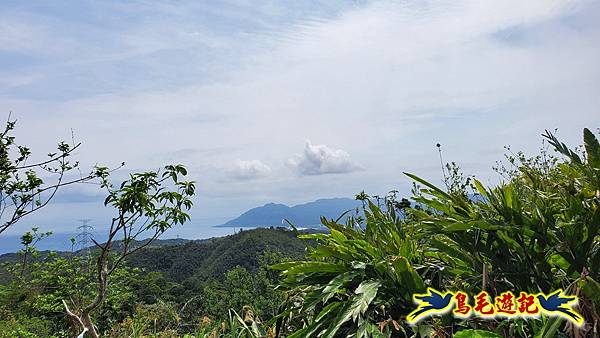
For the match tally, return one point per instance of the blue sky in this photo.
(290, 101)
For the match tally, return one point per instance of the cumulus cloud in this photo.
(320, 159)
(248, 170)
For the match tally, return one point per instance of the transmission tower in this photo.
(84, 238)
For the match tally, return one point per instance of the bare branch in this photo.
(71, 314)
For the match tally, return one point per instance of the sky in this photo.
(291, 101)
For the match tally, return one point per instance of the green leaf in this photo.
(550, 327)
(366, 292)
(458, 226)
(476, 334)
(407, 276)
(592, 148)
(480, 188)
(591, 289)
(451, 251)
(257, 330)
(315, 267)
(562, 148)
(343, 316)
(433, 187)
(337, 283)
(327, 310)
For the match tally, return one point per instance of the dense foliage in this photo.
(152, 294)
(537, 230)
(38, 286)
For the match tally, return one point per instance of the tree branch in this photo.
(62, 156)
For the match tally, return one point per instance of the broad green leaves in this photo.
(537, 231)
(592, 148)
(476, 334)
(357, 275)
(365, 293)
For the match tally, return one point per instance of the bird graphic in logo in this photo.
(560, 304)
(432, 302)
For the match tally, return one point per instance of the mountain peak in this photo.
(302, 215)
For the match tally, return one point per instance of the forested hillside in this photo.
(205, 259)
(171, 277)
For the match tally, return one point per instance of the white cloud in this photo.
(386, 80)
(248, 170)
(320, 159)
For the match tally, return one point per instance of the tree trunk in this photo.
(74, 327)
(89, 325)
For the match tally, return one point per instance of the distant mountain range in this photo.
(301, 215)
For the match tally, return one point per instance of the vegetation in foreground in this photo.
(536, 231)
